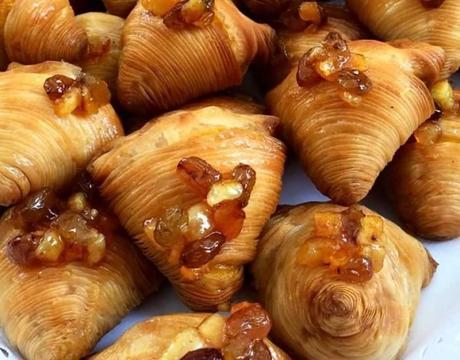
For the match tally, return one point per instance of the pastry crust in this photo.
(325, 317)
(343, 148)
(162, 68)
(37, 147)
(45, 31)
(150, 339)
(409, 19)
(423, 181)
(61, 312)
(137, 178)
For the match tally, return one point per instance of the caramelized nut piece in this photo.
(50, 247)
(443, 95)
(224, 191)
(96, 249)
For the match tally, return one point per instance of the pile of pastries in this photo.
(130, 157)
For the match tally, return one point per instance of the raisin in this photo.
(246, 176)
(40, 206)
(203, 354)
(200, 252)
(57, 85)
(432, 3)
(357, 269)
(250, 320)
(354, 81)
(351, 224)
(21, 248)
(198, 174)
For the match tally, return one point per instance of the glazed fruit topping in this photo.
(239, 337)
(333, 61)
(246, 328)
(53, 231)
(180, 14)
(203, 354)
(444, 97)
(432, 3)
(194, 236)
(346, 242)
(299, 15)
(82, 96)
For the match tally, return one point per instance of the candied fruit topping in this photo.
(430, 132)
(346, 242)
(444, 97)
(179, 14)
(203, 354)
(53, 231)
(246, 327)
(299, 15)
(194, 236)
(432, 3)
(82, 96)
(333, 61)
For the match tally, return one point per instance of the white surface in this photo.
(435, 334)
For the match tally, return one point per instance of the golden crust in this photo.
(137, 178)
(324, 318)
(62, 312)
(37, 147)
(150, 339)
(45, 31)
(423, 182)
(162, 68)
(344, 148)
(409, 19)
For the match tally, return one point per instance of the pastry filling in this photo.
(333, 61)
(82, 96)
(53, 231)
(195, 235)
(179, 14)
(432, 3)
(346, 242)
(240, 336)
(300, 15)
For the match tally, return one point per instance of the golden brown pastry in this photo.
(434, 21)
(46, 139)
(68, 274)
(199, 336)
(348, 107)
(423, 180)
(104, 38)
(5, 7)
(353, 280)
(194, 187)
(40, 30)
(182, 53)
(119, 7)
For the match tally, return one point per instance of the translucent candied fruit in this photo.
(84, 95)
(333, 61)
(428, 133)
(346, 242)
(248, 319)
(189, 12)
(443, 95)
(159, 7)
(54, 231)
(311, 12)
